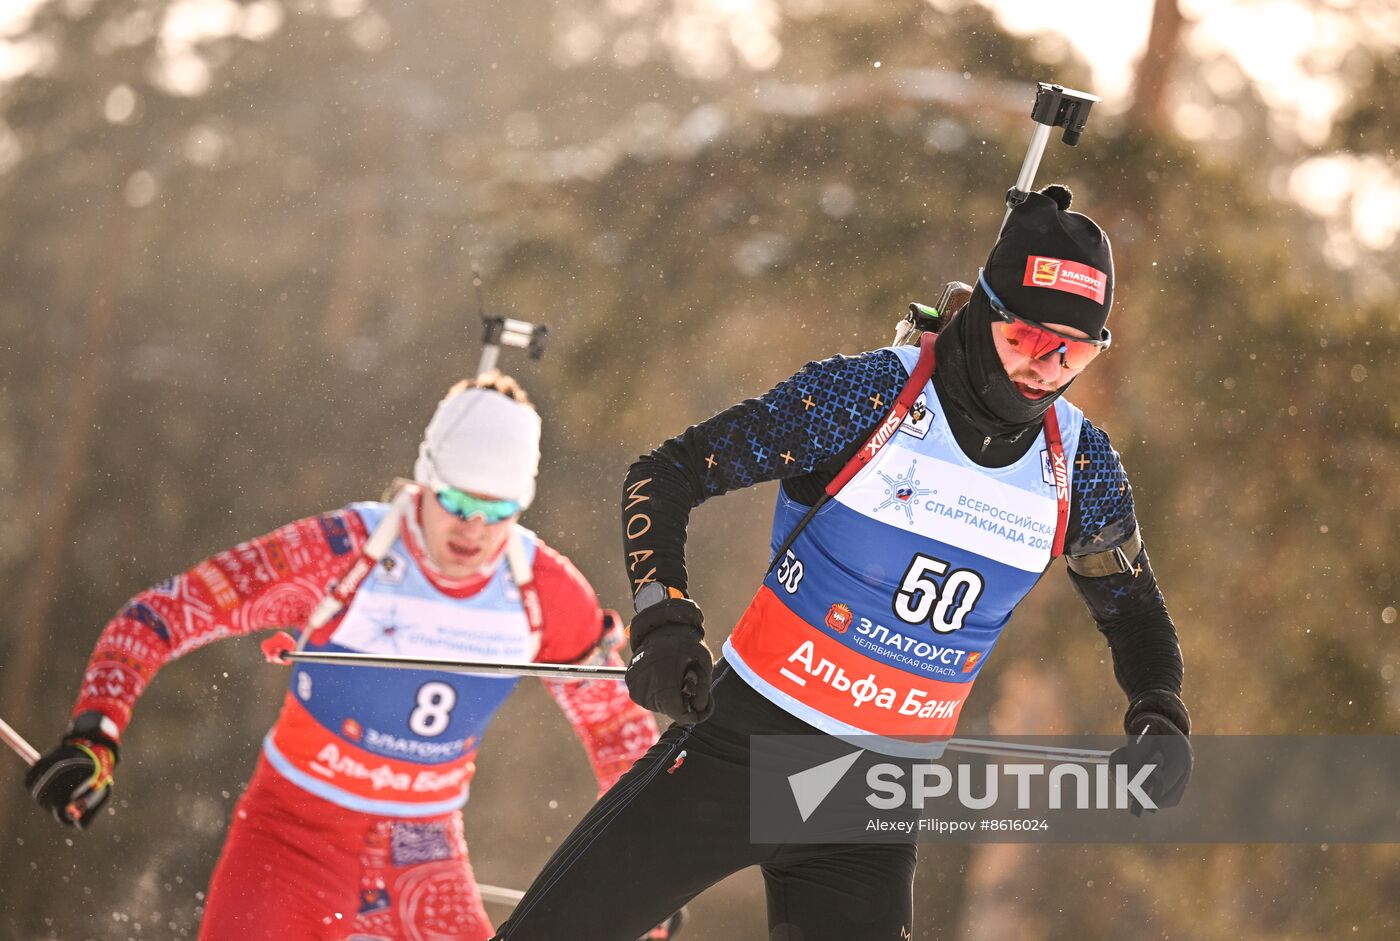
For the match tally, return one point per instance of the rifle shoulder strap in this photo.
(883, 432)
(339, 592)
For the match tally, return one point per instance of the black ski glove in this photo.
(671, 667)
(1158, 727)
(73, 781)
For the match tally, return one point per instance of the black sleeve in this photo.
(1127, 606)
(801, 432)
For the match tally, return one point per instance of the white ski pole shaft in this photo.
(16, 741)
(972, 746)
(499, 895)
(551, 671)
(565, 671)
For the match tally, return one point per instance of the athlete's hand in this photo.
(667, 930)
(1158, 727)
(73, 781)
(671, 667)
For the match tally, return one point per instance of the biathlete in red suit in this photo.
(350, 828)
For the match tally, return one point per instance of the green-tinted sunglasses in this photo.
(464, 506)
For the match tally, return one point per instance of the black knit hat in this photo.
(1053, 266)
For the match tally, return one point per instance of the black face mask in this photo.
(971, 374)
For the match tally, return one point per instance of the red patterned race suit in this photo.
(350, 828)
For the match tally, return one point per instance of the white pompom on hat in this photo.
(484, 442)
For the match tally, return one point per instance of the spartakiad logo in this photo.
(903, 491)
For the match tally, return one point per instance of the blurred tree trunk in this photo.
(61, 486)
(1154, 69)
(358, 251)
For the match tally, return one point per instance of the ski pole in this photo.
(499, 895)
(550, 671)
(31, 756)
(973, 746)
(1055, 106)
(16, 741)
(571, 671)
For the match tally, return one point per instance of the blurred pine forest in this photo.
(236, 250)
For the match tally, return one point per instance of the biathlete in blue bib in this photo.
(924, 492)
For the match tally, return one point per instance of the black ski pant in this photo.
(678, 822)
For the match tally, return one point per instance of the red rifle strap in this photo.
(1059, 472)
(524, 575)
(923, 369)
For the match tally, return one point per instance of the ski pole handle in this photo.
(17, 742)
(31, 756)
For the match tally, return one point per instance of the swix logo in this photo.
(533, 611)
(1045, 271)
(882, 434)
(839, 617)
(1061, 475)
(346, 587)
(970, 663)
